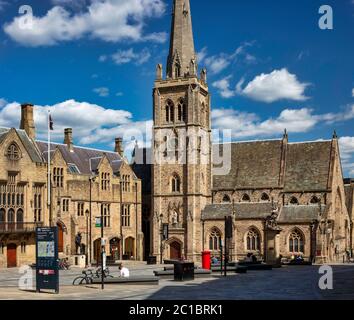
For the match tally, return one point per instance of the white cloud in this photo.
(102, 91)
(223, 86)
(353, 88)
(346, 145)
(73, 4)
(119, 94)
(277, 85)
(218, 63)
(102, 58)
(245, 124)
(2, 102)
(202, 54)
(109, 20)
(91, 123)
(127, 56)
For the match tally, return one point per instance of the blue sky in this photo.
(269, 65)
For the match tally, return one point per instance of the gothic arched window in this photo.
(13, 152)
(265, 197)
(170, 111)
(226, 199)
(294, 201)
(176, 184)
(182, 111)
(296, 242)
(246, 198)
(214, 240)
(253, 240)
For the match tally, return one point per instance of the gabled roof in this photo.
(87, 160)
(254, 164)
(307, 165)
(30, 147)
(257, 164)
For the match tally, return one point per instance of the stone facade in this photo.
(285, 198)
(78, 175)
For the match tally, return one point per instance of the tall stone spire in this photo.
(182, 58)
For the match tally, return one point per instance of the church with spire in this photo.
(284, 199)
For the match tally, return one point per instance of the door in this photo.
(175, 251)
(60, 238)
(11, 255)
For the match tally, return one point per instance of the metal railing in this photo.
(19, 227)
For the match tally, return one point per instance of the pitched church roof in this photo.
(258, 164)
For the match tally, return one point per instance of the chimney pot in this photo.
(27, 120)
(68, 138)
(119, 146)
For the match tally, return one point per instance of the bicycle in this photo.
(64, 265)
(106, 273)
(86, 278)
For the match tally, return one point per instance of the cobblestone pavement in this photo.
(287, 283)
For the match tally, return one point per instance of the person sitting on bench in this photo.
(124, 272)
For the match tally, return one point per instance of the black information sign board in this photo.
(47, 263)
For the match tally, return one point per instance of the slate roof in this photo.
(87, 160)
(253, 164)
(257, 164)
(242, 211)
(31, 148)
(307, 166)
(300, 213)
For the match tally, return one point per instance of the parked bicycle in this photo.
(64, 264)
(86, 278)
(89, 275)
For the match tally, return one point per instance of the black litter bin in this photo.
(184, 271)
(151, 260)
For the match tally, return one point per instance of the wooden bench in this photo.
(136, 280)
(198, 273)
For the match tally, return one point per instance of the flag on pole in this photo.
(51, 123)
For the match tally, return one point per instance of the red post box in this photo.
(206, 260)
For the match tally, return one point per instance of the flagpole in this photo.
(49, 182)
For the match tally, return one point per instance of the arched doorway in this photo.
(97, 250)
(129, 248)
(11, 255)
(60, 238)
(175, 250)
(114, 249)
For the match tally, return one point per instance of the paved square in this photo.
(287, 283)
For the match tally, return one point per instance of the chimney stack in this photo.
(68, 138)
(27, 120)
(119, 146)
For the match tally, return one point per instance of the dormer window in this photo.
(13, 152)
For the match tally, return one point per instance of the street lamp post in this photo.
(87, 213)
(91, 179)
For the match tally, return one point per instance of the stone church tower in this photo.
(181, 171)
